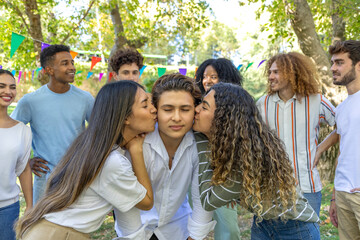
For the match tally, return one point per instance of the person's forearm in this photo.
(139, 168)
(329, 141)
(25, 179)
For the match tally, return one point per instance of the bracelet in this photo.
(333, 199)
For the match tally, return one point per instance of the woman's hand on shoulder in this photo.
(135, 144)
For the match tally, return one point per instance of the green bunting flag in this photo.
(16, 40)
(249, 65)
(161, 71)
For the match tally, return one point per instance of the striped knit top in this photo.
(213, 197)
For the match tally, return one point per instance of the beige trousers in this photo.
(45, 230)
(348, 213)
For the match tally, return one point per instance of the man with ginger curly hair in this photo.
(294, 109)
(126, 64)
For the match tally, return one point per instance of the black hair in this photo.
(3, 71)
(48, 53)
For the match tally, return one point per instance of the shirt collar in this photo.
(276, 98)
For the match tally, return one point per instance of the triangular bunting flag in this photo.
(94, 61)
(161, 71)
(238, 67)
(78, 72)
(24, 77)
(44, 45)
(19, 76)
(89, 75)
(249, 65)
(110, 76)
(0, 67)
(100, 76)
(13, 72)
(16, 41)
(73, 54)
(261, 63)
(29, 75)
(32, 75)
(142, 69)
(182, 71)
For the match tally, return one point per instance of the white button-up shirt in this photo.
(297, 123)
(171, 217)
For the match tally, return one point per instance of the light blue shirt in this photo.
(55, 119)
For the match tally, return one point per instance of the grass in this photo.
(327, 230)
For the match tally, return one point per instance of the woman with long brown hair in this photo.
(94, 176)
(242, 159)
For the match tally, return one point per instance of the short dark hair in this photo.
(226, 70)
(48, 53)
(125, 56)
(175, 82)
(3, 71)
(349, 46)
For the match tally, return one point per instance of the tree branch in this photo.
(347, 6)
(79, 23)
(17, 10)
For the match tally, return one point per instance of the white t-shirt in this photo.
(15, 146)
(171, 217)
(116, 186)
(347, 122)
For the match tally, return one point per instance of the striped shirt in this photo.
(297, 123)
(213, 197)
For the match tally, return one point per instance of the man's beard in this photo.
(348, 78)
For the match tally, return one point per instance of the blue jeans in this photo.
(227, 227)
(39, 186)
(278, 230)
(8, 216)
(314, 200)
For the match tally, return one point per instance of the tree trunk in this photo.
(338, 23)
(31, 10)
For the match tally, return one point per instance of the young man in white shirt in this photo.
(294, 108)
(171, 160)
(345, 203)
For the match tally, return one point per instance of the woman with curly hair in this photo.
(213, 71)
(241, 159)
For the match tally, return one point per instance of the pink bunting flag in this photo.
(94, 61)
(19, 76)
(182, 71)
(100, 76)
(261, 63)
(44, 45)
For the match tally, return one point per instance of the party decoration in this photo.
(110, 76)
(238, 67)
(24, 77)
(13, 72)
(73, 54)
(77, 72)
(182, 71)
(142, 69)
(32, 75)
(94, 61)
(0, 67)
(19, 76)
(44, 45)
(161, 71)
(249, 65)
(100, 76)
(16, 41)
(261, 63)
(89, 75)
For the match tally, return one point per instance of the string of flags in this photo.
(17, 39)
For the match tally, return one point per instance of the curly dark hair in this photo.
(350, 46)
(3, 71)
(47, 55)
(126, 56)
(241, 143)
(299, 69)
(175, 82)
(226, 70)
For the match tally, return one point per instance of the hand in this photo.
(232, 204)
(333, 214)
(135, 144)
(190, 238)
(317, 158)
(38, 165)
(354, 190)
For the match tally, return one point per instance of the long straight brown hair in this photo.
(87, 154)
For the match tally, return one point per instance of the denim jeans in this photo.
(8, 216)
(39, 186)
(314, 200)
(278, 230)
